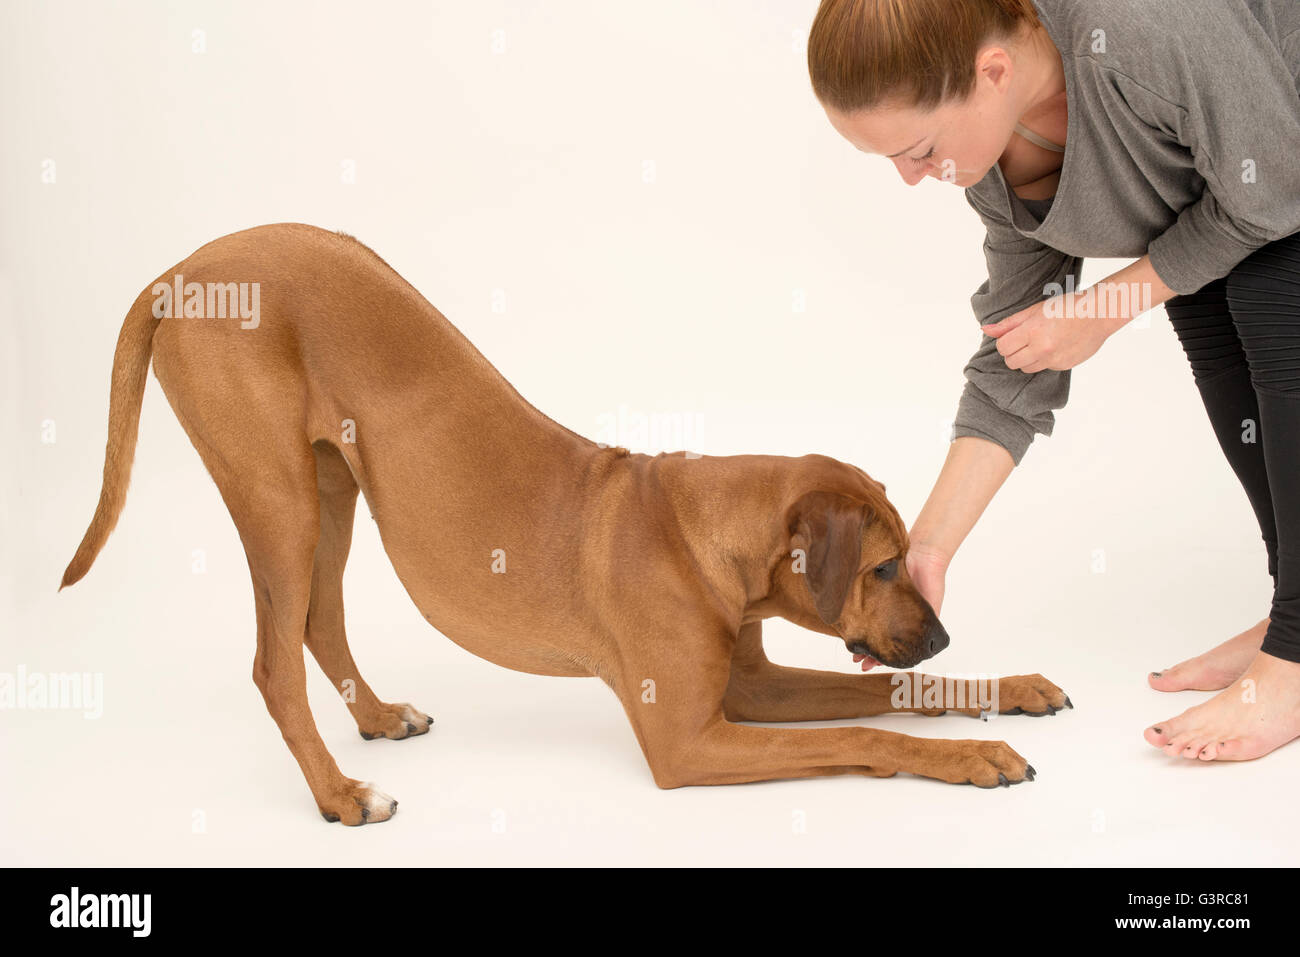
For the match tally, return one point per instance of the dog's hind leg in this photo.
(326, 636)
(242, 400)
(278, 519)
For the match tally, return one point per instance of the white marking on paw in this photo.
(375, 800)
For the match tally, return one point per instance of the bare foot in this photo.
(1259, 713)
(1217, 668)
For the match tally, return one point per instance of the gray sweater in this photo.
(1183, 143)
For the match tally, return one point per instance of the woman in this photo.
(1116, 128)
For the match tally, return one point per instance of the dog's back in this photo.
(345, 360)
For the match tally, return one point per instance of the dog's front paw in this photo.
(394, 721)
(358, 803)
(985, 764)
(1033, 695)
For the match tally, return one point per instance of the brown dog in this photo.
(523, 542)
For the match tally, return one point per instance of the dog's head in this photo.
(843, 572)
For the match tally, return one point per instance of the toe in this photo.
(376, 806)
(416, 721)
(1184, 676)
(1177, 742)
(1162, 680)
(1157, 735)
(1231, 749)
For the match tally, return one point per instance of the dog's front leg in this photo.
(759, 690)
(673, 687)
(725, 753)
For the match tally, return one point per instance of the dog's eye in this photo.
(887, 571)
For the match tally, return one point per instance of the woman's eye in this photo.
(926, 156)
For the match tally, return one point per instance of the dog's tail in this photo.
(130, 370)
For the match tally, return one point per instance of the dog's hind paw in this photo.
(358, 803)
(394, 721)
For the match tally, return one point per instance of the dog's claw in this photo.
(1030, 772)
(1068, 702)
(1002, 780)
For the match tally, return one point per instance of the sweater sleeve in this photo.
(1219, 88)
(1004, 405)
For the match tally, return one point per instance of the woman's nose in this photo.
(911, 171)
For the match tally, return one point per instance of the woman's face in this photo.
(956, 142)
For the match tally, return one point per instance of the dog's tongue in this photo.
(867, 661)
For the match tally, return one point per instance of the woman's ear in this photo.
(828, 527)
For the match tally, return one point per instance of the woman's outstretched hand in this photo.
(927, 568)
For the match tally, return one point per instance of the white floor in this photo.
(190, 770)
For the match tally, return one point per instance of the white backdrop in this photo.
(631, 210)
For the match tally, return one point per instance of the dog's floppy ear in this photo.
(828, 527)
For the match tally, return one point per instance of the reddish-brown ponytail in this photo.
(920, 53)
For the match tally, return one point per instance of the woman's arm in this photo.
(972, 474)
(976, 468)
(1142, 272)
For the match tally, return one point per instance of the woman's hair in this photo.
(862, 53)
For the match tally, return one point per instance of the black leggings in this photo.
(1242, 337)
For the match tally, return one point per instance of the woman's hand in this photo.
(927, 566)
(1057, 333)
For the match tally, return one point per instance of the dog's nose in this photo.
(936, 638)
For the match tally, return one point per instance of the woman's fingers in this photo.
(1024, 357)
(1014, 341)
(1007, 323)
